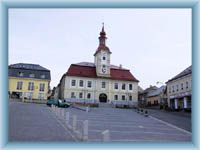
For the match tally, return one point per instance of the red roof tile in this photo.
(90, 71)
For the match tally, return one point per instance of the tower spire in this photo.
(102, 38)
(102, 41)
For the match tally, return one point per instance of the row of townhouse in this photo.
(177, 94)
(99, 81)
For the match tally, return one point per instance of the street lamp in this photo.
(162, 102)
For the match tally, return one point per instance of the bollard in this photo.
(56, 110)
(85, 130)
(142, 111)
(106, 135)
(62, 113)
(146, 113)
(23, 99)
(87, 109)
(74, 122)
(67, 117)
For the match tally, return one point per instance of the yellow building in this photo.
(28, 81)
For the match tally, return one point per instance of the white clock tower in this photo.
(102, 56)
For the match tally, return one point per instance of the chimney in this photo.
(120, 66)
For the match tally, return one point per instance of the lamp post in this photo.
(161, 95)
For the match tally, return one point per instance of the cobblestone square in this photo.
(37, 122)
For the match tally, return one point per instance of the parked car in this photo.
(58, 103)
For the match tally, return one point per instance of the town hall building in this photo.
(100, 81)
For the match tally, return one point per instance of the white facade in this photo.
(100, 87)
(97, 88)
(179, 92)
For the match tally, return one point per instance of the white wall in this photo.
(97, 89)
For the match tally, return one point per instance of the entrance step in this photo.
(106, 105)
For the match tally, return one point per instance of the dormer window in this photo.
(42, 76)
(31, 75)
(21, 74)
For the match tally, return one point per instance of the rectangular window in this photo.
(80, 95)
(123, 86)
(30, 86)
(116, 97)
(172, 88)
(103, 84)
(176, 87)
(169, 89)
(186, 85)
(88, 96)
(42, 86)
(73, 95)
(41, 96)
(130, 98)
(116, 86)
(89, 84)
(73, 83)
(81, 83)
(19, 85)
(130, 87)
(123, 97)
(181, 86)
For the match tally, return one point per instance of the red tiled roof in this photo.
(90, 71)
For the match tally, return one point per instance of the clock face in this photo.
(104, 70)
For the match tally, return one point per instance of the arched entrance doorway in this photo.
(103, 98)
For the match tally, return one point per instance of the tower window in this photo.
(104, 58)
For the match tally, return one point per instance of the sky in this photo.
(154, 44)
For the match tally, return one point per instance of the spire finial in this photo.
(103, 27)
